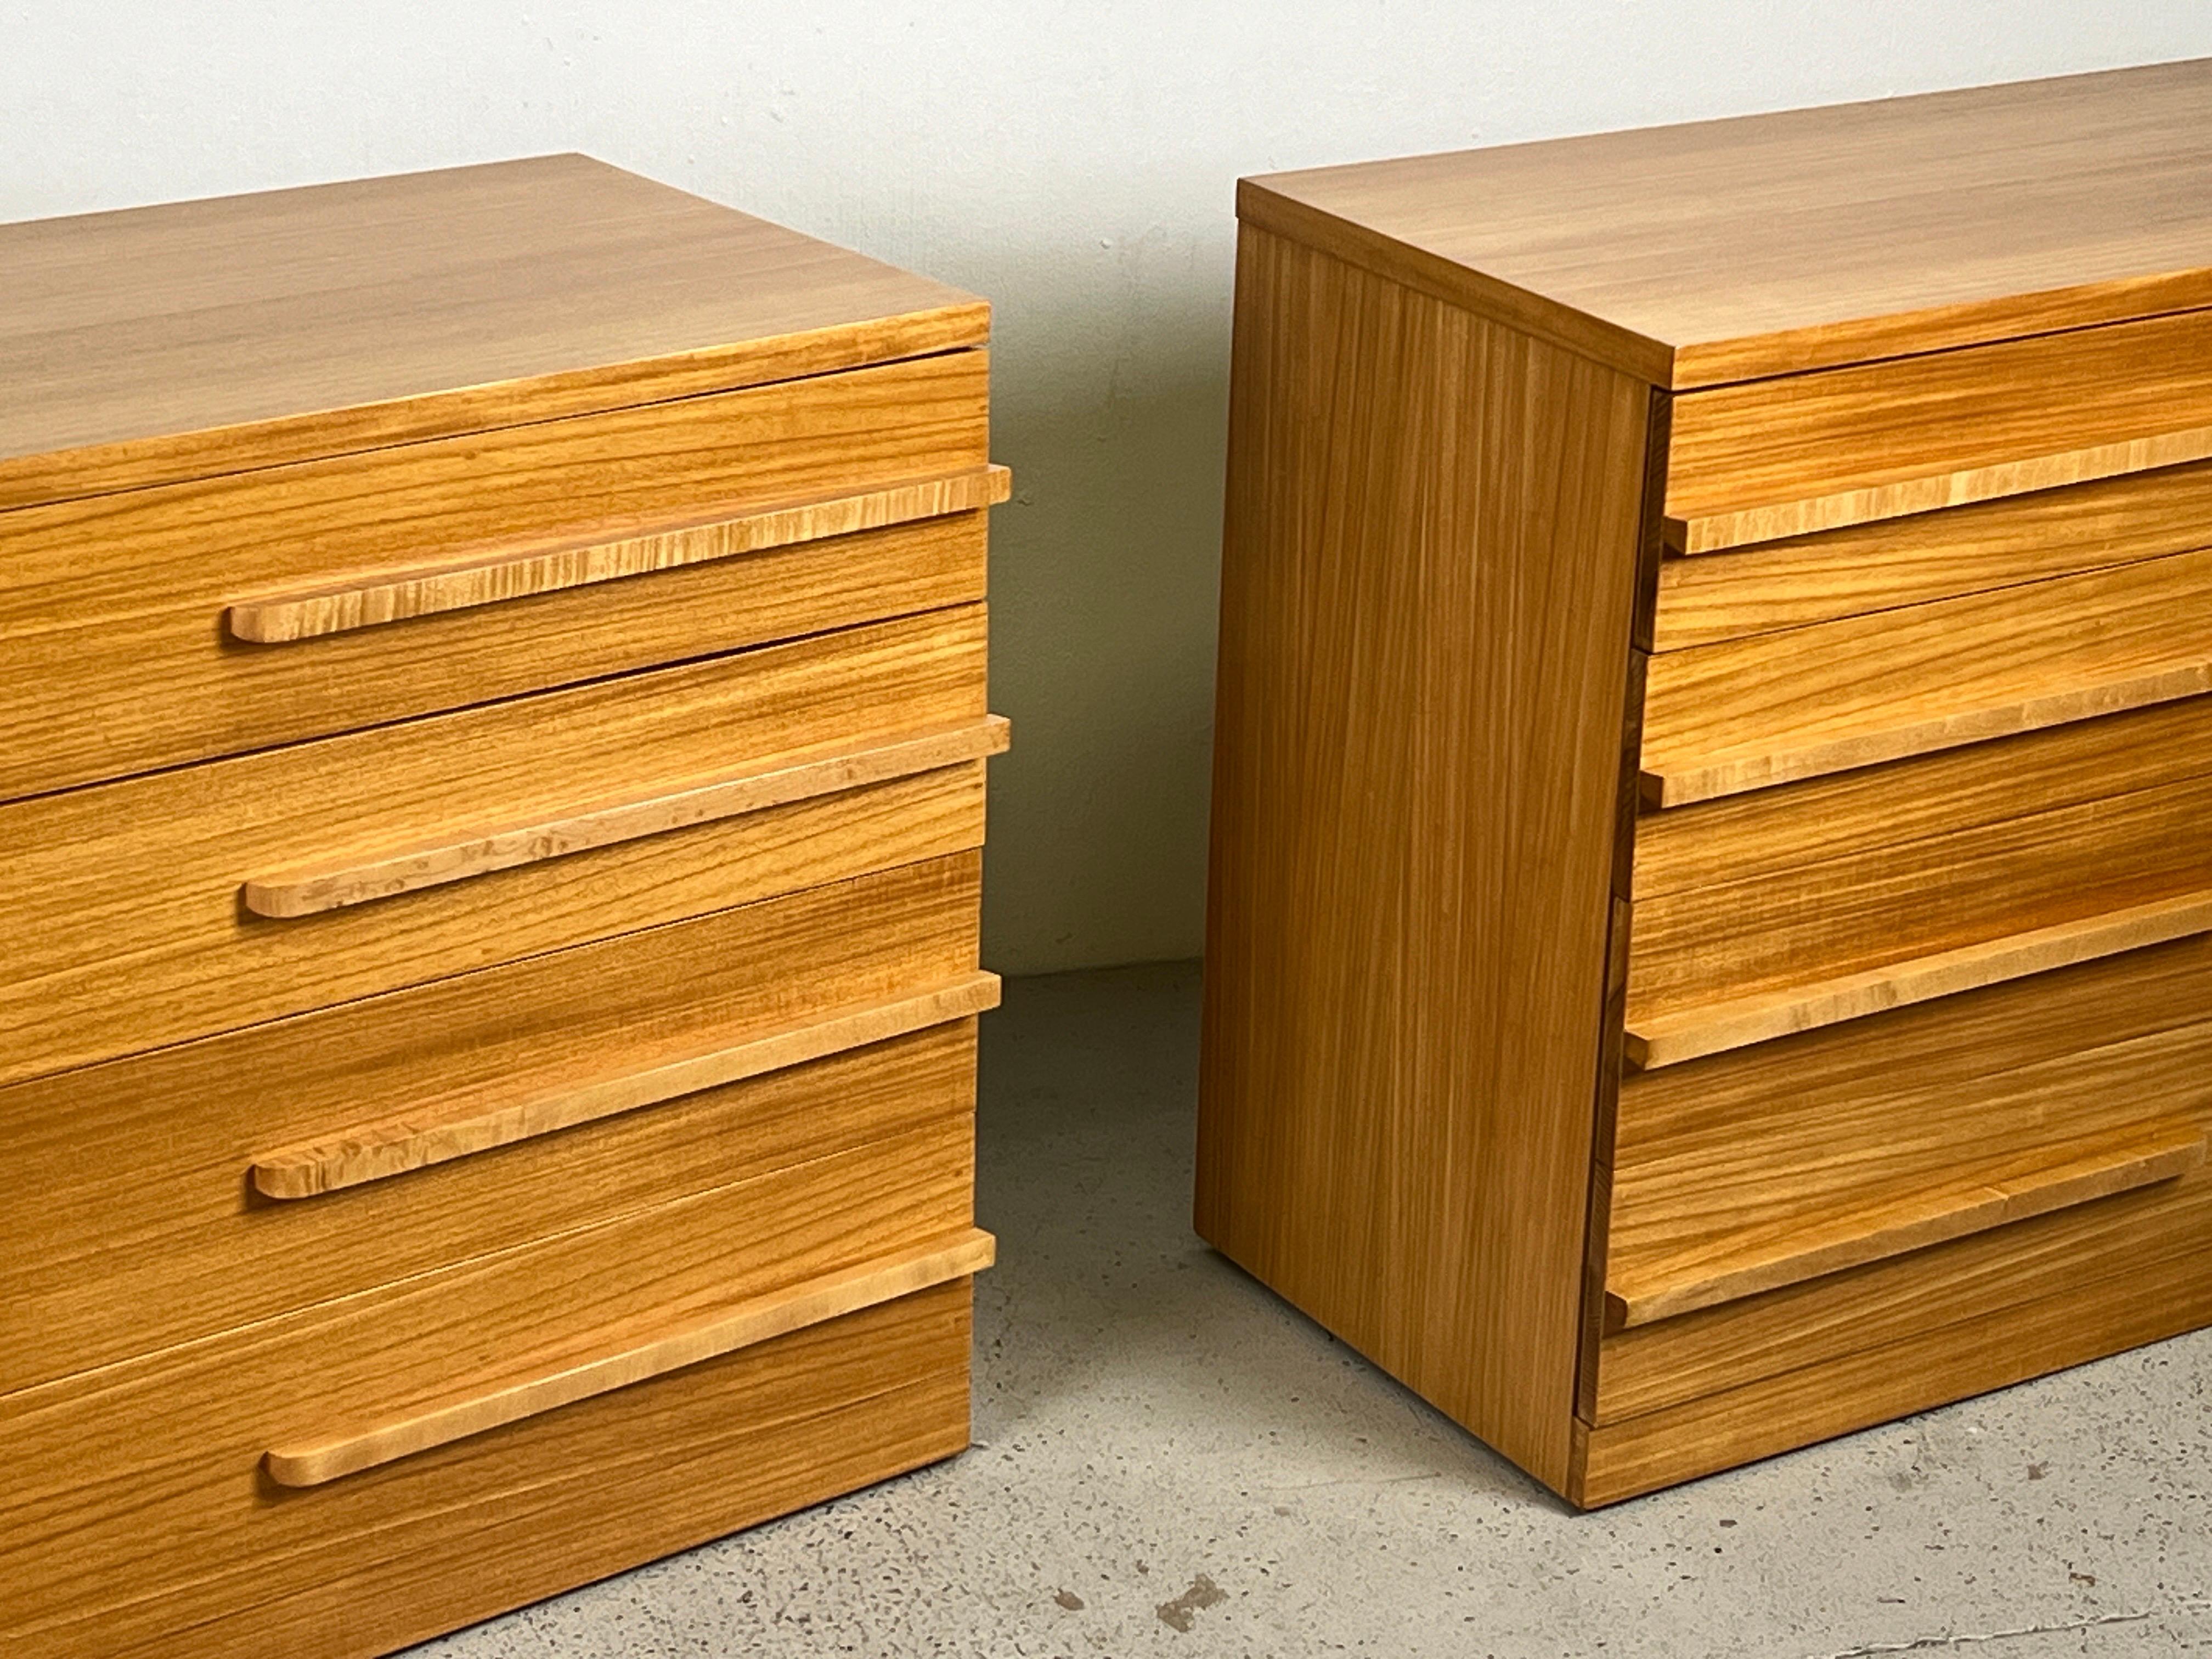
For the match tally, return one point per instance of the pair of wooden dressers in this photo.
(1711, 941)
(492, 673)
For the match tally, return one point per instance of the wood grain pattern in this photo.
(1670, 1038)
(2159, 1293)
(760, 1319)
(1772, 244)
(145, 1235)
(1673, 1255)
(383, 311)
(1896, 1099)
(364, 1567)
(1776, 834)
(464, 853)
(517, 574)
(1749, 713)
(1432, 528)
(1896, 563)
(132, 934)
(109, 608)
(376, 1151)
(1788, 456)
(1834, 914)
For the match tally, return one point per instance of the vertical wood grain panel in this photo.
(1427, 592)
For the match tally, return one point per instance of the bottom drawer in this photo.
(2088, 1084)
(364, 1472)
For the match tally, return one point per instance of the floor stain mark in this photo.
(1203, 1593)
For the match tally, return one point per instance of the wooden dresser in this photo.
(1711, 942)
(492, 735)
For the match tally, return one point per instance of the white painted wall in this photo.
(1073, 162)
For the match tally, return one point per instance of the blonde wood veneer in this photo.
(176, 1529)
(1896, 563)
(1893, 1101)
(518, 574)
(127, 897)
(1731, 250)
(1749, 713)
(142, 1162)
(1788, 456)
(760, 1318)
(110, 608)
(787, 778)
(1667, 1256)
(429, 1137)
(1404, 966)
(385, 311)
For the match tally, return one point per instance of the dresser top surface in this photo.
(1765, 244)
(163, 343)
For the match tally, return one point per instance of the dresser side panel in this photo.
(1429, 574)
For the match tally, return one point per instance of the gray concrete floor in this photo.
(1169, 1461)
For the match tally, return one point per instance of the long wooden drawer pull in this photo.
(1688, 1033)
(519, 573)
(310, 1463)
(305, 892)
(1976, 1199)
(441, 1132)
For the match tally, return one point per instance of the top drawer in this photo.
(1807, 452)
(168, 625)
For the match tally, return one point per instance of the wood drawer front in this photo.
(1800, 907)
(1800, 453)
(121, 647)
(131, 901)
(147, 1228)
(1720, 720)
(160, 1474)
(138, 1522)
(1895, 563)
(1877, 1132)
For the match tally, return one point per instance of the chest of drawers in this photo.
(1710, 932)
(492, 728)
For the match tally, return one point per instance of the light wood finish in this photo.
(760, 1318)
(145, 1478)
(1396, 1122)
(111, 610)
(400, 1554)
(142, 1163)
(1932, 556)
(383, 311)
(1770, 459)
(1670, 1038)
(1773, 833)
(2081, 1310)
(2082, 1053)
(1671, 1253)
(1874, 687)
(1768, 244)
(517, 576)
(469, 854)
(1752, 713)
(378, 1150)
(592, 579)
(127, 897)
(1828, 930)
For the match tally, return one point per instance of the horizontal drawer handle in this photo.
(431, 1135)
(311, 1463)
(1689, 1033)
(306, 892)
(519, 574)
(1700, 1275)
